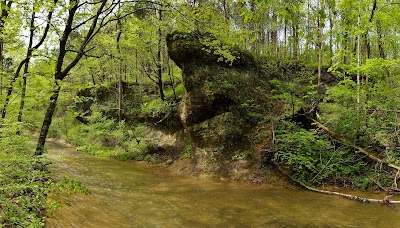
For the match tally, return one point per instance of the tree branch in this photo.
(345, 141)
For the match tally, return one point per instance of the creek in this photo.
(130, 194)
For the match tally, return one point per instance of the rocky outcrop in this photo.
(225, 107)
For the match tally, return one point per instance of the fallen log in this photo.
(347, 142)
(353, 197)
(385, 200)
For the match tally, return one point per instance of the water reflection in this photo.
(127, 194)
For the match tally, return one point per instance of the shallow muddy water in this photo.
(128, 194)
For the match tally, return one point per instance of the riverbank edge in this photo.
(29, 192)
(184, 166)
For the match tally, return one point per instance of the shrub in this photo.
(315, 159)
(28, 191)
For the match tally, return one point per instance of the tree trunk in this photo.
(380, 42)
(285, 39)
(358, 59)
(119, 70)
(331, 25)
(367, 44)
(225, 9)
(23, 92)
(1, 61)
(24, 62)
(274, 33)
(345, 44)
(61, 73)
(320, 44)
(159, 60)
(47, 120)
(367, 47)
(29, 55)
(295, 29)
(4, 15)
(10, 87)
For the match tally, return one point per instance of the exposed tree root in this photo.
(347, 196)
(347, 142)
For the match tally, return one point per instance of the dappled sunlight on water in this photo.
(128, 194)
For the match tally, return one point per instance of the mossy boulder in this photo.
(225, 103)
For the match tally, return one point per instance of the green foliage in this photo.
(12, 143)
(242, 155)
(109, 138)
(153, 107)
(372, 123)
(344, 93)
(315, 159)
(129, 52)
(188, 151)
(27, 190)
(215, 47)
(179, 92)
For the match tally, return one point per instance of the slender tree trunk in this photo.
(159, 60)
(137, 67)
(295, 30)
(26, 69)
(4, 15)
(1, 62)
(274, 33)
(225, 9)
(93, 79)
(61, 73)
(367, 47)
(308, 32)
(30, 51)
(345, 44)
(358, 59)
(320, 43)
(23, 92)
(48, 119)
(367, 44)
(119, 71)
(10, 88)
(380, 42)
(285, 39)
(331, 25)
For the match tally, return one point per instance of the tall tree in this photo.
(159, 60)
(97, 20)
(5, 9)
(29, 52)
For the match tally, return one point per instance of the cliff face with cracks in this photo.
(226, 110)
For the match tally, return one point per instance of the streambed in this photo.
(129, 194)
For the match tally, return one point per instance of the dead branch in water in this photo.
(385, 200)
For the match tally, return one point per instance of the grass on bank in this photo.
(28, 191)
(103, 137)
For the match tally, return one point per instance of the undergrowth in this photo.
(315, 159)
(105, 137)
(28, 191)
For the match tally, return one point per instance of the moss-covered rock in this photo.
(224, 105)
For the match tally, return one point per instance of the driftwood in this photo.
(352, 197)
(347, 142)
(385, 200)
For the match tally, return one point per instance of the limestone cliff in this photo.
(226, 107)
